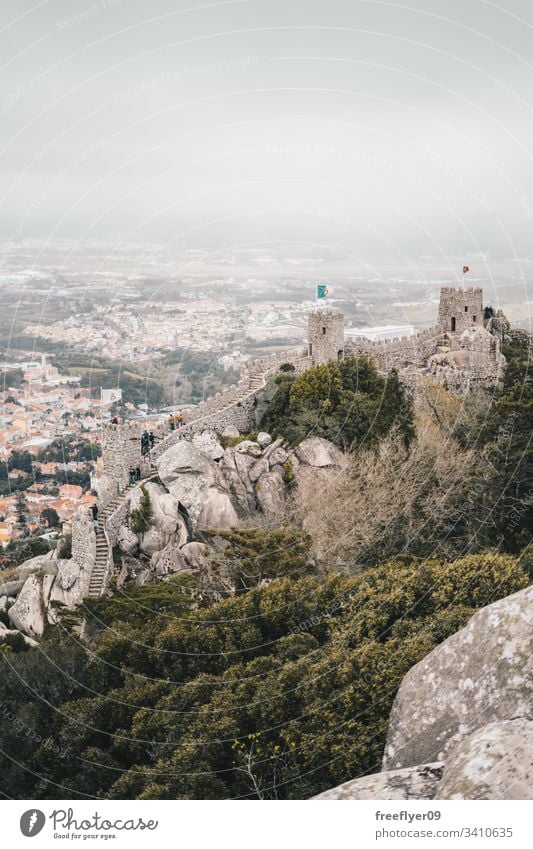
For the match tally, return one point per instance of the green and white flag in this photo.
(322, 291)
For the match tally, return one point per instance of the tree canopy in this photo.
(347, 402)
(280, 692)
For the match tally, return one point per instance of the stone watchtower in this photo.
(325, 335)
(121, 450)
(460, 309)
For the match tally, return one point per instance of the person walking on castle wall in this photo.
(172, 422)
(151, 437)
(94, 511)
(138, 473)
(132, 475)
(145, 443)
(179, 419)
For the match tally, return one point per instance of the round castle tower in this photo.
(325, 335)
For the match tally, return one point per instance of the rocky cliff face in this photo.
(461, 726)
(40, 584)
(203, 486)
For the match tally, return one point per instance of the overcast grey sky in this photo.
(345, 122)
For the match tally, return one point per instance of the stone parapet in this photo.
(83, 546)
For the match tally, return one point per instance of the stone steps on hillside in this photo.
(99, 571)
(96, 583)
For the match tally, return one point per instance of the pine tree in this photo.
(141, 518)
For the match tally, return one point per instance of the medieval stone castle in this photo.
(462, 350)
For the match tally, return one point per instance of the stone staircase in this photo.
(257, 381)
(98, 574)
(97, 583)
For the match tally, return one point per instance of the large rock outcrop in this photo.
(27, 614)
(196, 482)
(479, 675)
(202, 487)
(66, 587)
(462, 723)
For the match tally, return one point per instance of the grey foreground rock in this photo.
(416, 782)
(461, 726)
(481, 674)
(495, 762)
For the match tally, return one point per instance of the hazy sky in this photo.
(376, 127)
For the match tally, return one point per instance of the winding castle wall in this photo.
(400, 352)
(459, 308)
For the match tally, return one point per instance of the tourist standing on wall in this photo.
(145, 443)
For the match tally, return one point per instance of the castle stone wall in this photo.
(121, 449)
(115, 521)
(460, 309)
(83, 546)
(398, 353)
(325, 336)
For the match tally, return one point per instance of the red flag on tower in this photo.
(465, 269)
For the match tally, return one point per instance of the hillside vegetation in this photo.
(280, 692)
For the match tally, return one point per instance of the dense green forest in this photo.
(283, 689)
(349, 403)
(280, 692)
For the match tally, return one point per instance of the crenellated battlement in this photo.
(452, 290)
